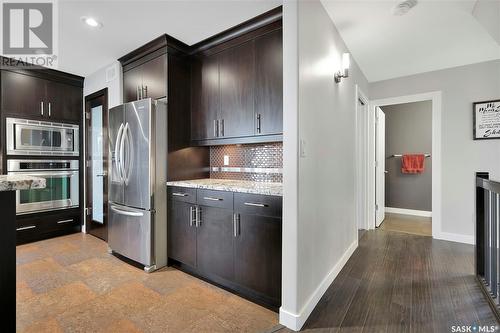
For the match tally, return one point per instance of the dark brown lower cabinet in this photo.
(181, 232)
(231, 239)
(215, 242)
(257, 254)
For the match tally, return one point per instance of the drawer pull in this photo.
(177, 194)
(212, 199)
(65, 221)
(26, 228)
(255, 204)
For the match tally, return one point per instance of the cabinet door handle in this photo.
(255, 204)
(139, 93)
(65, 221)
(216, 128)
(146, 92)
(259, 129)
(41, 108)
(222, 127)
(50, 111)
(198, 216)
(26, 228)
(178, 194)
(236, 224)
(192, 216)
(212, 199)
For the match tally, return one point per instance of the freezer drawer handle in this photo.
(126, 213)
(255, 204)
(65, 221)
(26, 228)
(177, 194)
(212, 199)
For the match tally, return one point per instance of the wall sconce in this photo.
(344, 72)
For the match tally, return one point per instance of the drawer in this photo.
(184, 194)
(211, 198)
(45, 225)
(257, 204)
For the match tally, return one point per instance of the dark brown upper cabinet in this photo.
(237, 85)
(146, 79)
(29, 96)
(269, 83)
(205, 98)
(237, 80)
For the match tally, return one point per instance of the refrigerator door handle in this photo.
(130, 152)
(117, 152)
(122, 154)
(126, 212)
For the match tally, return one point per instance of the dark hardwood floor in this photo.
(397, 282)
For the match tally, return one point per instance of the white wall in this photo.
(98, 80)
(326, 232)
(461, 156)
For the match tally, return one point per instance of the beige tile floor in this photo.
(71, 284)
(414, 225)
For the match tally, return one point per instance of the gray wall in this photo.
(408, 129)
(461, 156)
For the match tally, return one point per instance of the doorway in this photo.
(402, 200)
(362, 111)
(96, 156)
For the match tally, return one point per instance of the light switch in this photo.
(226, 159)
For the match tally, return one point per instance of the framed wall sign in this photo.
(486, 120)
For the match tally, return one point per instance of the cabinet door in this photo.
(237, 91)
(132, 80)
(257, 258)
(181, 233)
(23, 94)
(269, 84)
(215, 242)
(204, 97)
(65, 102)
(154, 77)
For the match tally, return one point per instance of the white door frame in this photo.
(435, 97)
(361, 167)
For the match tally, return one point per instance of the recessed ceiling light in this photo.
(91, 22)
(403, 7)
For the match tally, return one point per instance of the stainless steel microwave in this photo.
(31, 137)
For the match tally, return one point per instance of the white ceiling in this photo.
(130, 24)
(433, 35)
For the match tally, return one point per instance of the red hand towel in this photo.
(412, 163)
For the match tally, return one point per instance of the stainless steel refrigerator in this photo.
(137, 175)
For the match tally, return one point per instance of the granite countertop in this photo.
(242, 186)
(20, 182)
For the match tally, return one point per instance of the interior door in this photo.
(135, 154)
(379, 166)
(96, 124)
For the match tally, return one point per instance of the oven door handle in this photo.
(53, 174)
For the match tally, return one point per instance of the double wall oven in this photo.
(54, 145)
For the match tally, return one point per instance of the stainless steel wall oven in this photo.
(62, 190)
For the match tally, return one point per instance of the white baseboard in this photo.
(295, 321)
(403, 211)
(459, 238)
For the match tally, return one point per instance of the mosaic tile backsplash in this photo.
(261, 162)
